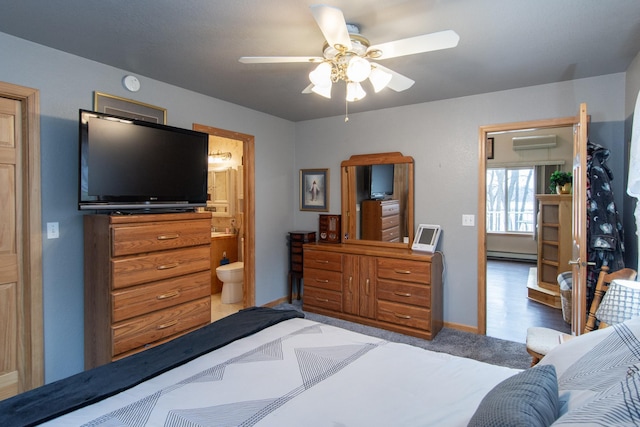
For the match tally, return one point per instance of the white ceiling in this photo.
(195, 44)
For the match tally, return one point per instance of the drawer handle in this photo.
(402, 294)
(322, 299)
(167, 266)
(168, 236)
(350, 283)
(322, 281)
(402, 271)
(167, 325)
(322, 261)
(168, 295)
(367, 286)
(402, 316)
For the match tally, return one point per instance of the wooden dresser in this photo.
(390, 288)
(554, 247)
(147, 279)
(381, 220)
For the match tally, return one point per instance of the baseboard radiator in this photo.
(511, 256)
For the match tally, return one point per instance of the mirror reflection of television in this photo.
(131, 165)
(381, 181)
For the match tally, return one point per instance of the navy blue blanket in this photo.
(61, 397)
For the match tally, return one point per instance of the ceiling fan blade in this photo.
(278, 59)
(418, 44)
(332, 24)
(398, 81)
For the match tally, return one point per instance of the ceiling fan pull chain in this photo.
(346, 110)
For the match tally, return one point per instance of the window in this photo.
(510, 200)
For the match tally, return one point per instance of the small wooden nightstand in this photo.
(296, 240)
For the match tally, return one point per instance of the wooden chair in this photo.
(541, 340)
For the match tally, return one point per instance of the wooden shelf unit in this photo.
(554, 247)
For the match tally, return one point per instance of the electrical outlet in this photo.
(468, 220)
(53, 231)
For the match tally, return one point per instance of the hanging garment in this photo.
(604, 229)
(633, 181)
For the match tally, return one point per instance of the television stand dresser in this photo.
(390, 288)
(147, 280)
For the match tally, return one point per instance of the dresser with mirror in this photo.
(373, 277)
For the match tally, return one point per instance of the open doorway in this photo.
(508, 245)
(245, 178)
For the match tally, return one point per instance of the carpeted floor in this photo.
(451, 341)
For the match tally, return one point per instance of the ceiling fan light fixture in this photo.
(355, 92)
(358, 69)
(379, 79)
(322, 90)
(321, 75)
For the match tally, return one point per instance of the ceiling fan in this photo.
(349, 57)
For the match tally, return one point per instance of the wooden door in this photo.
(10, 135)
(21, 348)
(350, 288)
(579, 228)
(367, 273)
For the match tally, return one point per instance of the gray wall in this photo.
(442, 137)
(67, 83)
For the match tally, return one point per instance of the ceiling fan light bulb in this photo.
(379, 79)
(321, 75)
(355, 92)
(358, 69)
(322, 90)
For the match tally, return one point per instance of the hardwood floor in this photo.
(509, 311)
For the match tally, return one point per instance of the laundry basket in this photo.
(565, 280)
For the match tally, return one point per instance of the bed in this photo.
(269, 367)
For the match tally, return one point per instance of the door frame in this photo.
(482, 198)
(30, 304)
(248, 153)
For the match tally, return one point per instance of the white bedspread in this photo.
(300, 372)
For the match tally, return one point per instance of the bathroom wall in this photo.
(235, 222)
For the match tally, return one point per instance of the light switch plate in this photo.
(468, 220)
(53, 232)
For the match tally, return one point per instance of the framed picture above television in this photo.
(129, 108)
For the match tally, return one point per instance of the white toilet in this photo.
(231, 276)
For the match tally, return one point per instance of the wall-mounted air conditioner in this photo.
(533, 142)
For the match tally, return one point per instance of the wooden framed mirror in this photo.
(377, 200)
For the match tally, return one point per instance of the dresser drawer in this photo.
(390, 209)
(322, 298)
(135, 301)
(129, 271)
(302, 236)
(136, 333)
(405, 293)
(390, 221)
(391, 234)
(137, 239)
(406, 315)
(406, 271)
(331, 280)
(324, 260)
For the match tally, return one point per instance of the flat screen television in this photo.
(136, 165)
(381, 181)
